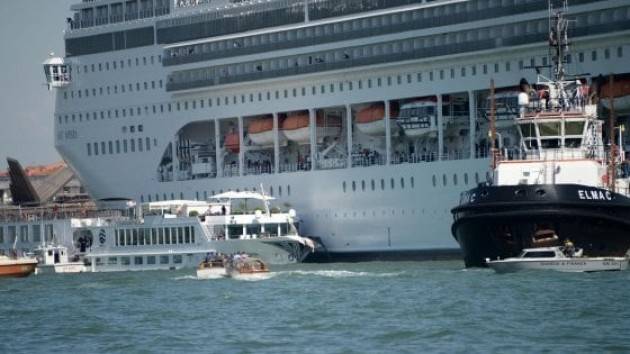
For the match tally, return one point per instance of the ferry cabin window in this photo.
(160, 236)
(137, 260)
(539, 254)
(125, 260)
(150, 259)
(180, 235)
(112, 260)
(1, 234)
(177, 259)
(164, 260)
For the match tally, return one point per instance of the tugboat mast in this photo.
(558, 39)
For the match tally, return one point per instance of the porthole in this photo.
(434, 181)
(541, 192)
(519, 192)
(363, 185)
(444, 180)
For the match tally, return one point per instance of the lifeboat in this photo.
(232, 143)
(620, 92)
(419, 118)
(370, 120)
(17, 267)
(260, 130)
(296, 127)
(506, 106)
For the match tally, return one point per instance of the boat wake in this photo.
(337, 273)
(188, 277)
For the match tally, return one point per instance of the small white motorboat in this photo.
(55, 259)
(247, 268)
(558, 259)
(211, 269)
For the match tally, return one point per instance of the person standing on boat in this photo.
(569, 248)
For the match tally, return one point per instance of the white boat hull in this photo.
(264, 138)
(248, 276)
(302, 135)
(73, 267)
(211, 273)
(560, 265)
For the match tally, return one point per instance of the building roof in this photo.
(39, 170)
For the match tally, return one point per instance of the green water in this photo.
(334, 308)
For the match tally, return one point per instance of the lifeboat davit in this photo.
(620, 92)
(370, 120)
(296, 127)
(232, 143)
(260, 130)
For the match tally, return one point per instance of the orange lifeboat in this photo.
(296, 126)
(620, 92)
(370, 120)
(232, 143)
(260, 130)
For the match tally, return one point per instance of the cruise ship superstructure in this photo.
(368, 116)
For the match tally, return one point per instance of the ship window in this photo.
(167, 236)
(134, 239)
(133, 145)
(125, 146)
(164, 259)
(619, 52)
(392, 184)
(95, 148)
(476, 178)
(574, 128)
(466, 178)
(382, 184)
(125, 260)
(455, 179)
(180, 235)
(89, 149)
(402, 183)
(539, 254)
(161, 234)
(528, 130)
(373, 185)
(177, 259)
(485, 69)
(549, 129)
(594, 55)
(431, 76)
(444, 180)
(363, 185)
(280, 189)
(434, 179)
(354, 186)
(412, 181)
(111, 147)
(150, 259)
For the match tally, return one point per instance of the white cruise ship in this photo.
(368, 116)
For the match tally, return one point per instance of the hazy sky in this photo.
(29, 30)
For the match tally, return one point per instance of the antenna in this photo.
(558, 38)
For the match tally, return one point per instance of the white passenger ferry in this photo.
(165, 235)
(365, 115)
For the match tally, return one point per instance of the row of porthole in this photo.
(363, 184)
(455, 179)
(375, 213)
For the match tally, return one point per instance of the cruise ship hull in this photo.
(500, 221)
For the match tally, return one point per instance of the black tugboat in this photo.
(562, 185)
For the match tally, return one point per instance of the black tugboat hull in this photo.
(499, 221)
